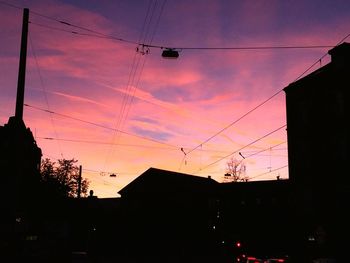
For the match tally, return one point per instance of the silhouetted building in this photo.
(318, 150)
(168, 215)
(19, 161)
(317, 116)
(19, 155)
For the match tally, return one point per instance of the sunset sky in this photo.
(120, 111)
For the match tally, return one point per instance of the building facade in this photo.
(318, 149)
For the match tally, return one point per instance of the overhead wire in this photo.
(69, 24)
(45, 93)
(93, 171)
(215, 48)
(234, 122)
(270, 171)
(57, 158)
(130, 87)
(97, 125)
(262, 103)
(108, 143)
(141, 44)
(89, 170)
(219, 48)
(126, 96)
(73, 32)
(200, 48)
(10, 5)
(144, 61)
(105, 172)
(174, 148)
(247, 145)
(132, 84)
(96, 33)
(320, 59)
(146, 35)
(302, 74)
(264, 150)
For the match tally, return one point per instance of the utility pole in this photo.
(79, 181)
(22, 66)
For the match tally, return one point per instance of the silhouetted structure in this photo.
(19, 159)
(168, 216)
(175, 217)
(20, 163)
(20, 178)
(318, 149)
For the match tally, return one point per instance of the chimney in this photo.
(340, 54)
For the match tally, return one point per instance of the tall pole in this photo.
(22, 66)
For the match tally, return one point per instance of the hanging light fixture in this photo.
(170, 53)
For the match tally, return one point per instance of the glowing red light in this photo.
(238, 244)
(280, 260)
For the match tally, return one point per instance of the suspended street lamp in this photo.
(170, 53)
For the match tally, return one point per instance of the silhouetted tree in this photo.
(236, 171)
(62, 178)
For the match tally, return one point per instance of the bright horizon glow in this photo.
(98, 85)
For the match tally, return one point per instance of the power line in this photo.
(45, 93)
(274, 170)
(72, 32)
(261, 104)
(237, 48)
(83, 28)
(87, 169)
(264, 150)
(143, 44)
(212, 48)
(10, 5)
(141, 146)
(234, 122)
(151, 147)
(98, 125)
(279, 149)
(320, 59)
(224, 157)
(248, 47)
(99, 171)
(242, 48)
(107, 143)
(217, 48)
(131, 87)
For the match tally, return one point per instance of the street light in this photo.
(170, 53)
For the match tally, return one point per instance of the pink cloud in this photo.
(179, 102)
